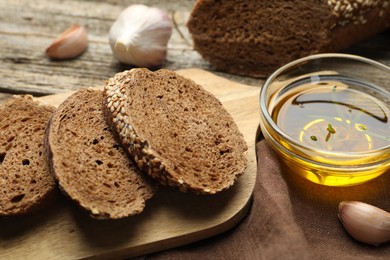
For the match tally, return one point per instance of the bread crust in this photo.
(156, 157)
(26, 185)
(255, 37)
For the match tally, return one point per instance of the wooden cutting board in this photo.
(170, 219)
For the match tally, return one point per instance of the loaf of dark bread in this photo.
(175, 130)
(255, 37)
(26, 184)
(88, 163)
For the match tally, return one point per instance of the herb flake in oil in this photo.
(362, 127)
(331, 129)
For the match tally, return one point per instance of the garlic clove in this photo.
(140, 36)
(364, 222)
(70, 44)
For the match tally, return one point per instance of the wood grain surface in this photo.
(27, 28)
(171, 218)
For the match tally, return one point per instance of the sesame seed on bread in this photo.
(26, 184)
(89, 164)
(176, 131)
(255, 37)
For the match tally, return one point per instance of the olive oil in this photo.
(328, 118)
(336, 126)
(334, 117)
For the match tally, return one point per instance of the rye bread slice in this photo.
(26, 184)
(176, 131)
(89, 164)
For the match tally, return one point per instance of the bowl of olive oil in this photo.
(328, 118)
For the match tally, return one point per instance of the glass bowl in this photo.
(328, 118)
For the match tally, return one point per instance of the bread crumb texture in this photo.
(176, 131)
(90, 165)
(26, 184)
(255, 37)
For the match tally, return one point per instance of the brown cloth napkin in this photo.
(291, 218)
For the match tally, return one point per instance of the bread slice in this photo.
(176, 131)
(255, 37)
(26, 184)
(89, 164)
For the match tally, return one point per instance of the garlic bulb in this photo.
(140, 36)
(70, 44)
(364, 222)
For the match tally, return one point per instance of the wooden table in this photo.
(28, 27)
